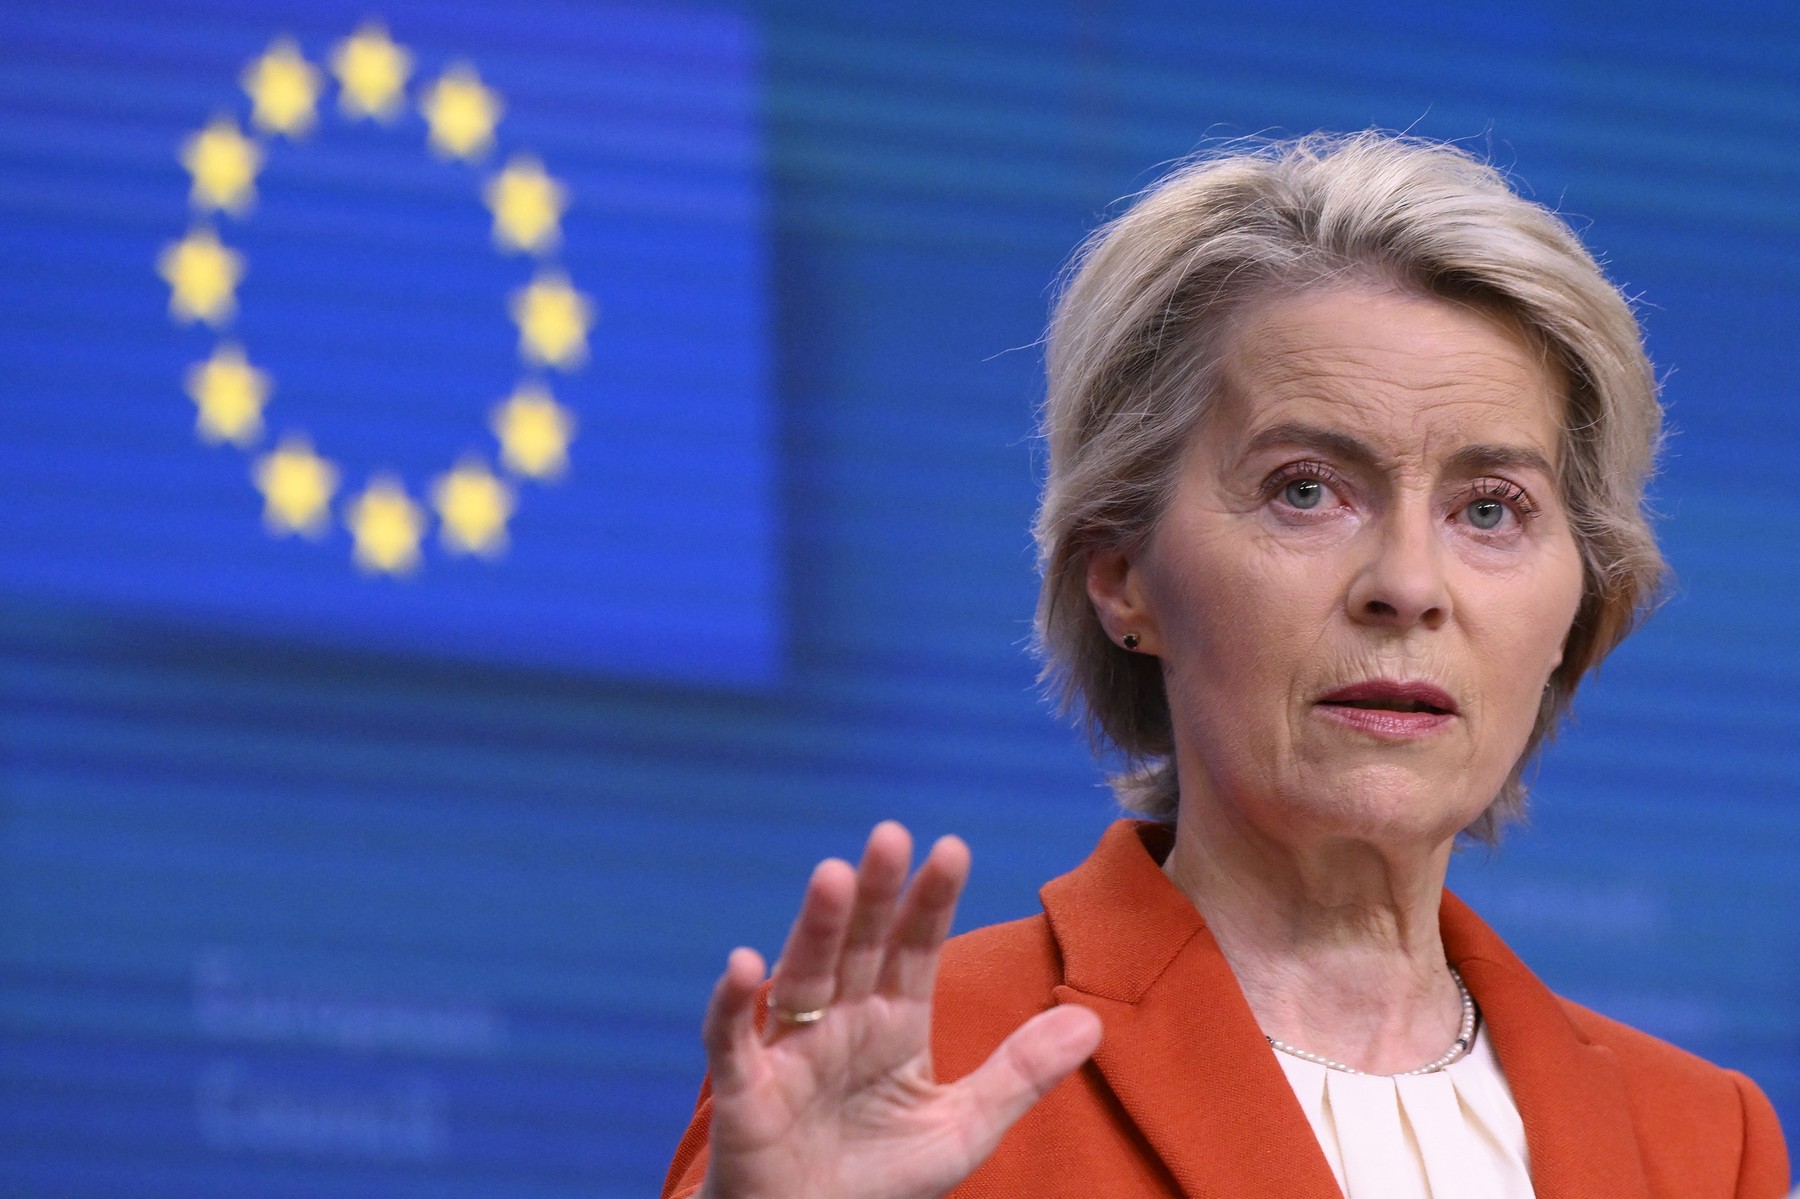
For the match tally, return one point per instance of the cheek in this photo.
(1526, 635)
(1553, 604)
(1236, 616)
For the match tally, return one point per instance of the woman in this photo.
(1348, 445)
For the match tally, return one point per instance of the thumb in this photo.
(1039, 1054)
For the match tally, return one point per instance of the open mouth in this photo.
(1409, 698)
(1389, 705)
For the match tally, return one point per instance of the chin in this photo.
(1391, 805)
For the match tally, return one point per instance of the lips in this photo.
(1389, 710)
(1383, 695)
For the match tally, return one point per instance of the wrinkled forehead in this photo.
(1407, 375)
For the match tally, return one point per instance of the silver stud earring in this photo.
(1130, 641)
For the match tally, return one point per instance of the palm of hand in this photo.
(847, 1107)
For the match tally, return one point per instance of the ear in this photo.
(1115, 586)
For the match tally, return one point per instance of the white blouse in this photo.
(1453, 1134)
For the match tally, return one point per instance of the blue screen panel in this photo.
(439, 333)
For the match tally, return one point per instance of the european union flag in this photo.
(437, 333)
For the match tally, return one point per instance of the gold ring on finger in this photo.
(797, 1019)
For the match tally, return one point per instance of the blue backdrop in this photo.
(568, 418)
(374, 819)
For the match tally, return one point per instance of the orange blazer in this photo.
(1185, 1098)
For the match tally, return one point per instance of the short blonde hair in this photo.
(1133, 356)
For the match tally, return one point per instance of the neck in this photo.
(1334, 940)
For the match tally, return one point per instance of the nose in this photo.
(1403, 580)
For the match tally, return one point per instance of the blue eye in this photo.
(1304, 493)
(1486, 514)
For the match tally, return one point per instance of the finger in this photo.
(879, 881)
(729, 1030)
(1039, 1054)
(805, 978)
(924, 921)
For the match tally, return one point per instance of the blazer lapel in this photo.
(1185, 1057)
(1569, 1092)
(1181, 1050)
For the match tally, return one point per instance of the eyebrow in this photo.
(1471, 459)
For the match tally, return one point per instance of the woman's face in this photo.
(1365, 576)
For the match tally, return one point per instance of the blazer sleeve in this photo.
(688, 1169)
(1763, 1168)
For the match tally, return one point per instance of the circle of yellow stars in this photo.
(472, 501)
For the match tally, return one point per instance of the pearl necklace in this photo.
(1465, 1037)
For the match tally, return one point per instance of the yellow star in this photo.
(202, 274)
(473, 508)
(534, 432)
(371, 73)
(527, 206)
(462, 113)
(297, 486)
(230, 394)
(223, 163)
(387, 526)
(553, 321)
(283, 88)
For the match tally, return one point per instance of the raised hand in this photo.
(836, 1099)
